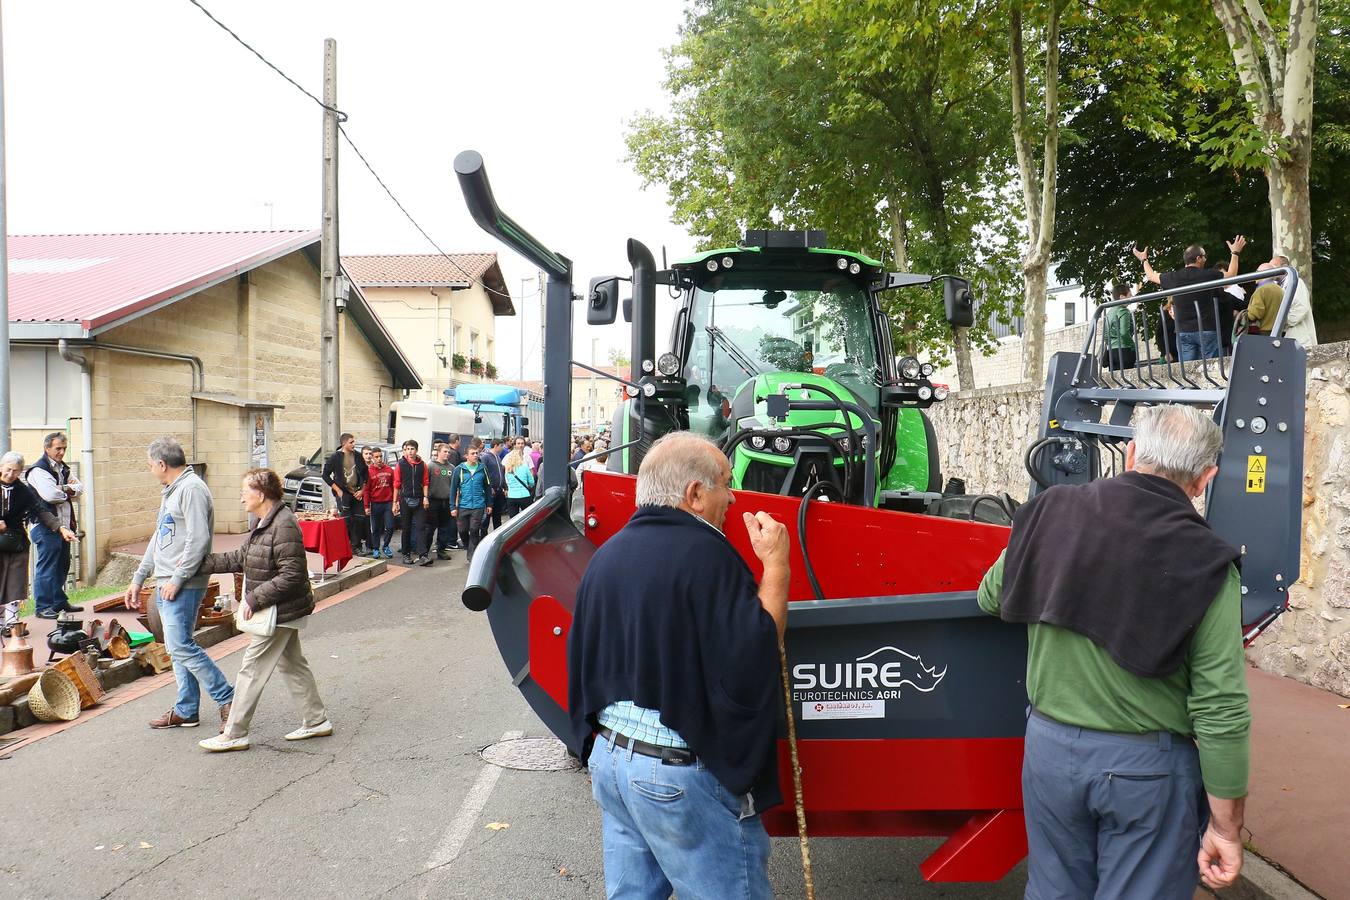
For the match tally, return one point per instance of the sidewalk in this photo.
(1300, 782)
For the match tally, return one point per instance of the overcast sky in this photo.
(145, 116)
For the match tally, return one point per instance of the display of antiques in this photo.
(317, 516)
(54, 698)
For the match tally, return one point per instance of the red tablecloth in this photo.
(328, 538)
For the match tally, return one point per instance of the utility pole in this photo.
(4, 274)
(330, 382)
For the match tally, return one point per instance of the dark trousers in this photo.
(50, 568)
(354, 511)
(471, 529)
(1111, 815)
(412, 519)
(440, 520)
(381, 524)
(1118, 359)
(515, 504)
(496, 506)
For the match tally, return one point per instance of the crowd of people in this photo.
(1201, 325)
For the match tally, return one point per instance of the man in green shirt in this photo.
(1131, 728)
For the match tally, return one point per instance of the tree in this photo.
(1038, 188)
(879, 121)
(1275, 64)
(618, 358)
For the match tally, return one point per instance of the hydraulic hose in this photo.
(801, 535)
(847, 426)
(1029, 460)
(990, 498)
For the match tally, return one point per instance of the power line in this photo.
(342, 117)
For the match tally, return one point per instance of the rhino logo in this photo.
(909, 669)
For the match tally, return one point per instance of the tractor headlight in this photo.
(939, 392)
(854, 268)
(782, 444)
(728, 262)
(711, 265)
(668, 364)
(757, 442)
(909, 367)
(846, 444)
(925, 392)
(927, 369)
(841, 264)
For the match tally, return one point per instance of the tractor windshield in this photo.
(741, 332)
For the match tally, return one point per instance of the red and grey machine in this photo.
(910, 702)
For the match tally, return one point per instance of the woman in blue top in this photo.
(519, 480)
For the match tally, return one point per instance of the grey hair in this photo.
(167, 450)
(672, 464)
(1176, 442)
(53, 438)
(12, 458)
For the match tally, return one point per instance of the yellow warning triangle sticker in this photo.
(1256, 464)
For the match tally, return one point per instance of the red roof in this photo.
(100, 279)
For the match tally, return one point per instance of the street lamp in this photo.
(439, 349)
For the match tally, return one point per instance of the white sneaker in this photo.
(323, 729)
(221, 744)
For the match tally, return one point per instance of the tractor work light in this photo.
(782, 444)
(925, 392)
(668, 364)
(854, 268)
(939, 392)
(927, 369)
(728, 262)
(712, 265)
(841, 264)
(845, 444)
(758, 442)
(909, 367)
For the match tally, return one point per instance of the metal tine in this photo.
(1106, 376)
(1223, 368)
(1204, 357)
(1181, 366)
(1124, 373)
(1134, 333)
(1147, 342)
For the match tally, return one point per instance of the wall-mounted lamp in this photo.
(439, 349)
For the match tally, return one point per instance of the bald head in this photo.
(687, 471)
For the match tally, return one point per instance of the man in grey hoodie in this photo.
(182, 539)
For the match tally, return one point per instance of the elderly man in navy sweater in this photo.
(673, 673)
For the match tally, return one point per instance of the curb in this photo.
(1261, 880)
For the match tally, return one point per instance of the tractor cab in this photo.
(781, 354)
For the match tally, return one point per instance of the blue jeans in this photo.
(190, 662)
(51, 567)
(672, 827)
(1193, 344)
(1111, 815)
(381, 524)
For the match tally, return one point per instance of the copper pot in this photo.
(17, 658)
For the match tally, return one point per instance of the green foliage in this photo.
(459, 362)
(826, 115)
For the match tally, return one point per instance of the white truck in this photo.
(427, 422)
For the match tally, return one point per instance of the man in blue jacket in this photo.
(469, 492)
(496, 479)
(673, 672)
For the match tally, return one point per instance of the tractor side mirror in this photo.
(602, 300)
(959, 301)
(628, 309)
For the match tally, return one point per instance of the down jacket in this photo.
(273, 562)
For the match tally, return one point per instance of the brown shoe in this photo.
(225, 715)
(172, 719)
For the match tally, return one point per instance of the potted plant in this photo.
(475, 365)
(491, 370)
(459, 362)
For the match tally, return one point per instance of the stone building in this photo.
(441, 309)
(210, 337)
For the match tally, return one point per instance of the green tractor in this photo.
(781, 353)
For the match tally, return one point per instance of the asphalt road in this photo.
(396, 804)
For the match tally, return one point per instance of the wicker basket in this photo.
(76, 668)
(54, 698)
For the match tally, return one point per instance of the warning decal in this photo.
(1256, 474)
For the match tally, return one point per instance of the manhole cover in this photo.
(531, 755)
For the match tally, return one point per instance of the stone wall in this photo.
(982, 435)
(1004, 365)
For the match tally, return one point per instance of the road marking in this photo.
(458, 832)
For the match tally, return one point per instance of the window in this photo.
(473, 342)
(1070, 313)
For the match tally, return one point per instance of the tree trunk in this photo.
(965, 370)
(1034, 291)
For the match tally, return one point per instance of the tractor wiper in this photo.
(738, 356)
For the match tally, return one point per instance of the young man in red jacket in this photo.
(379, 497)
(411, 477)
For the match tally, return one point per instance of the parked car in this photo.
(302, 488)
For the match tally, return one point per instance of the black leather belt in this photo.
(671, 756)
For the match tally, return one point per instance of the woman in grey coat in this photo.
(275, 574)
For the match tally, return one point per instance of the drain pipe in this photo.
(198, 373)
(89, 551)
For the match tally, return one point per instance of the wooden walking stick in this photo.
(796, 774)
